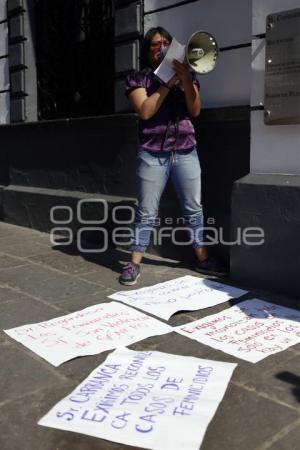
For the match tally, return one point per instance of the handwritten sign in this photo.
(147, 399)
(251, 330)
(87, 332)
(185, 293)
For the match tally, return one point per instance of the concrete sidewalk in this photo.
(261, 407)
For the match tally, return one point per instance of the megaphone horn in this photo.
(201, 52)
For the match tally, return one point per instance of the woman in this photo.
(167, 148)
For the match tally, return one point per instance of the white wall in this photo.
(3, 9)
(261, 8)
(229, 83)
(230, 23)
(274, 148)
(4, 72)
(3, 38)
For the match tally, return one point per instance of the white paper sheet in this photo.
(251, 330)
(147, 399)
(165, 70)
(87, 332)
(186, 293)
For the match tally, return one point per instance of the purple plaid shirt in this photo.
(171, 127)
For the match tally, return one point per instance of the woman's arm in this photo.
(191, 91)
(146, 106)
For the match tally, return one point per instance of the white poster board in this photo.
(87, 332)
(147, 399)
(251, 330)
(165, 70)
(186, 293)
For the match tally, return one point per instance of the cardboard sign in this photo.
(186, 293)
(146, 399)
(251, 330)
(93, 330)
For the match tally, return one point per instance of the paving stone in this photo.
(295, 349)
(59, 289)
(249, 373)
(23, 372)
(251, 413)
(279, 299)
(19, 428)
(288, 442)
(7, 294)
(24, 310)
(23, 248)
(245, 420)
(79, 368)
(84, 300)
(246, 373)
(9, 230)
(108, 278)
(75, 264)
(177, 344)
(4, 340)
(9, 261)
(150, 275)
(110, 266)
(281, 383)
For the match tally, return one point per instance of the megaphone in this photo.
(201, 52)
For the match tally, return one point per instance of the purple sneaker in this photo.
(130, 274)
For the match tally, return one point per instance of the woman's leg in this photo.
(152, 176)
(186, 178)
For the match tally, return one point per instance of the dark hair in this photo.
(147, 42)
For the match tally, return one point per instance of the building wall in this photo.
(268, 198)
(230, 23)
(274, 148)
(4, 67)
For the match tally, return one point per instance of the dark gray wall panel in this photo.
(14, 4)
(272, 203)
(17, 82)
(128, 20)
(16, 55)
(126, 57)
(17, 110)
(122, 104)
(16, 27)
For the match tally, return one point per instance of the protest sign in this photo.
(147, 399)
(186, 293)
(251, 330)
(87, 332)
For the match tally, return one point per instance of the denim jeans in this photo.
(153, 171)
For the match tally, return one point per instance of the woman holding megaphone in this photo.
(167, 148)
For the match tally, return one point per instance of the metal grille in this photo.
(75, 57)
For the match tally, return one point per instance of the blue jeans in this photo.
(153, 172)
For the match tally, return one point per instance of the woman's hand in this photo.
(182, 72)
(173, 81)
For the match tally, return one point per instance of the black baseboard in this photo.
(97, 155)
(272, 203)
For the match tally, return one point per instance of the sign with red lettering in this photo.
(87, 332)
(186, 293)
(150, 400)
(251, 330)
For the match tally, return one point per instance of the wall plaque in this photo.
(282, 68)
